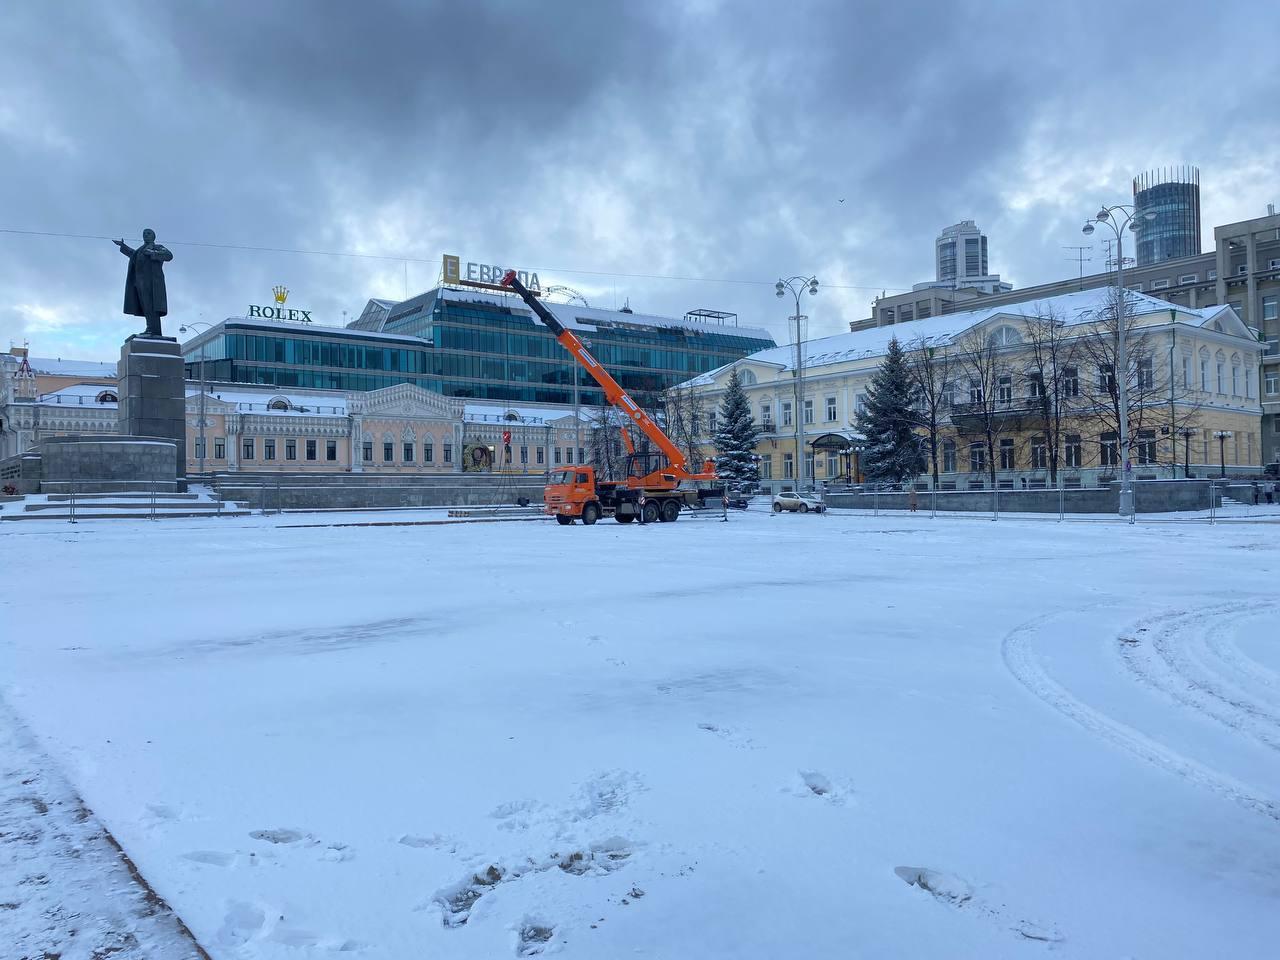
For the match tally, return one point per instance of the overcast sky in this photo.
(593, 140)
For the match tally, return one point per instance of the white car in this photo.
(798, 502)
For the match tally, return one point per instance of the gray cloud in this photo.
(706, 139)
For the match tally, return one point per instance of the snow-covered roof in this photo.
(497, 413)
(577, 317)
(57, 367)
(81, 395)
(1082, 306)
(313, 329)
(300, 405)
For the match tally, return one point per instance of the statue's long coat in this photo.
(144, 290)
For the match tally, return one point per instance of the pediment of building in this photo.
(406, 400)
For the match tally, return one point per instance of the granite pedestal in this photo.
(152, 392)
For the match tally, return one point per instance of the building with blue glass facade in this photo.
(467, 343)
(1173, 195)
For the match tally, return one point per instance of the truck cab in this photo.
(569, 492)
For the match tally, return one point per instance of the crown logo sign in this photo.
(282, 293)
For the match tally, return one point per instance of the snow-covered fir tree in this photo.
(893, 452)
(735, 440)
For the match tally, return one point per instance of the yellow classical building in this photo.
(1022, 395)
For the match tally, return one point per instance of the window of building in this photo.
(1273, 264)
(833, 465)
(1162, 284)
(1146, 374)
(366, 451)
(388, 451)
(539, 456)
(975, 391)
(788, 466)
(947, 260)
(408, 452)
(1235, 380)
(291, 449)
(972, 257)
(448, 453)
(886, 314)
(1186, 371)
(1074, 450)
(924, 309)
(331, 450)
(1136, 287)
(1146, 447)
(808, 411)
(810, 468)
(1270, 308)
(766, 467)
(1106, 377)
(786, 413)
(977, 458)
(1109, 450)
(1222, 377)
(831, 409)
(766, 413)
(1248, 383)
(200, 444)
(1007, 456)
(1242, 270)
(428, 451)
(311, 449)
(524, 456)
(1035, 386)
(1070, 382)
(1237, 306)
(948, 456)
(1211, 275)
(219, 448)
(1004, 388)
(860, 402)
(1189, 278)
(582, 455)
(906, 312)
(1039, 454)
(268, 449)
(1204, 374)
(556, 451)
(695, 423)
(246, 449)
(711, 422)
(1271, 386)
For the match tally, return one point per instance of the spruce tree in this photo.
(893, 452)
(735, 440)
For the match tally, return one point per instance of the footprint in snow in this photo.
(957, 892)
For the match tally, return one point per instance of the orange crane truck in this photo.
(657, 486)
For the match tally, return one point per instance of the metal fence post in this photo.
(1062, 498)
(995, 502)
(875, 500)
(933, 505)
(278, 508)
(71, 516)
(153, 499)
(1213, 503)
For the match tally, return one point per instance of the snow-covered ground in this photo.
(826, 736)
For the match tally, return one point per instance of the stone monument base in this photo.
(107, 464)
(152, 392)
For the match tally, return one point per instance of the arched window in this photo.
(747, 378)
(278, 403)
(511, 415)
(108, 396)
(1005, 336)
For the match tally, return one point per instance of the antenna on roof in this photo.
(1082, 258)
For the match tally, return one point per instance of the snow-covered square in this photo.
(780, 736)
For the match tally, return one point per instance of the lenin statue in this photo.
(144, 293)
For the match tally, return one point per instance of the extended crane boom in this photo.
(612, 390)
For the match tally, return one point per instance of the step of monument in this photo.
(137, 505)
(123, 495)
(100, 514)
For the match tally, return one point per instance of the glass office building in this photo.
(465, 343)
(1173, 195)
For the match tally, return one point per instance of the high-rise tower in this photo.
(1173, 195)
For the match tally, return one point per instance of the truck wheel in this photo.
(804, 508)
(670, 511)
(563, 521)
(624, 517)
(590, 514)
(777, 508)
(651, 512)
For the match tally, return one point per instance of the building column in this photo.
(232, 423)
(357, 445)
(1251, 311)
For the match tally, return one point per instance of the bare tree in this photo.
(980, 412)
(1052, 379)
(1160, 403)
(606, 451)
(684, 420)
(931, 367)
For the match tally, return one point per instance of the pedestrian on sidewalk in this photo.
(1270, 490)
(1255, 493)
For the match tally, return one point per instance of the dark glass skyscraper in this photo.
(1173, 195)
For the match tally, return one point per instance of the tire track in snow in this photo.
(1017, 650)
(1177, 663)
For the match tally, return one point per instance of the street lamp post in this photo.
(1187, 434)
(203, 391)
(1117, 218)
(796, 285)
(1223, 436)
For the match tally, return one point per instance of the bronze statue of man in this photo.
(144, 292)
